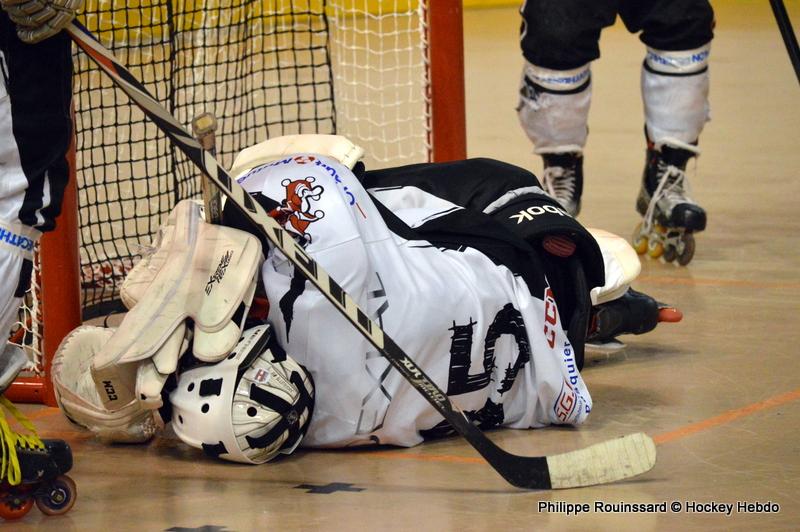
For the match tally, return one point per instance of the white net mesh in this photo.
(264, 68)
(27, 331)
(380, 81)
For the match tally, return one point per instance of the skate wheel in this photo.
(655, 249)
(639, 240)
(670, 253)
(688, 249)
(15, 506)
(59, 497)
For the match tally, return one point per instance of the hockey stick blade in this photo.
(603, 462)
(523, 472)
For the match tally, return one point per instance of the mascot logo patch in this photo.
(296, 213)
(304, 159)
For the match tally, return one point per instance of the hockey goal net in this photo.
(386, 73)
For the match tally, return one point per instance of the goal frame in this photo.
(59, 259)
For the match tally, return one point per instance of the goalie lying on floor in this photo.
(469, 266)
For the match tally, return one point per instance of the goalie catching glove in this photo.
(37, 20)
(199, 272)
(252, 406)
(80, 401)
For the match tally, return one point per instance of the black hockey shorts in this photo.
(564, 34)
(38, 92)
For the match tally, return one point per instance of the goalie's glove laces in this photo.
(10, 440)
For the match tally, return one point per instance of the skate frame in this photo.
(605, 462)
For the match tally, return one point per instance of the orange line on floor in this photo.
(688, 281)
(727, 417)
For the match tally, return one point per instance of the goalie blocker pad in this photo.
(203, 272)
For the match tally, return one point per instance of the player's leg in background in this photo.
(559, 40)
(35, 132)
(675, 83)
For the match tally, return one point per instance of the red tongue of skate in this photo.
(558, 245)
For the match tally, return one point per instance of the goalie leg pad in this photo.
(200, 271)
(79, 400)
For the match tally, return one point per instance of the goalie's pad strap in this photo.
(336, 146)
(18, 239)
(621, 263)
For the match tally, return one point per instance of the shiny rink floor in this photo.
(719, 392)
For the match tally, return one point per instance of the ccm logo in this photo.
(527, 215)
(550, 317)
(110, 392)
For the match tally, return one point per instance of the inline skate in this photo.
(33, 470)
(632, 313)
(562, 179)
(670, 217)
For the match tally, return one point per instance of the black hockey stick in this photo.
(789, 38)
(609, 461)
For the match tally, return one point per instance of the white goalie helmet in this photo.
(251, 406)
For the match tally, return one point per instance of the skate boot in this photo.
(563, 179)
(633, 313)
(33, 470)
(670, 215)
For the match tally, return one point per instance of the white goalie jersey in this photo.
(499, 351)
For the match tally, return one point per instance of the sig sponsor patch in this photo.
(564, 406)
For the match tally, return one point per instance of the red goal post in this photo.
(94, 244)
